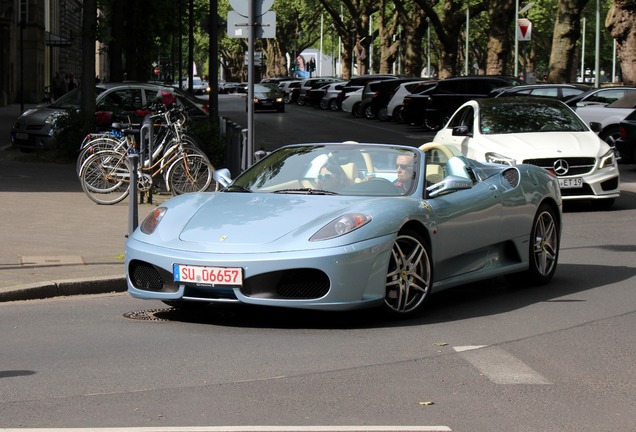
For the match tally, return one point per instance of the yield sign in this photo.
(524, 29)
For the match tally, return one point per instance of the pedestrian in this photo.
(71, 82)
(59, 86)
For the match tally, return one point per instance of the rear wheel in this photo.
(324, 104)
(383, 114)
(544, 248)
(368, 112)
(397, 114)
(357, 110)
(409, 275)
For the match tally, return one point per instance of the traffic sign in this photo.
(237, 25)
(524, 30)
(260, 6)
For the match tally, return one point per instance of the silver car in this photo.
(36, 128)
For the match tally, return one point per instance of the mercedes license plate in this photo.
(21, 136)
(213, 276)
(571, 183)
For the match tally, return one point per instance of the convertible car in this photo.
(336, 226)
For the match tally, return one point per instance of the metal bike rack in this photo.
(145, 144)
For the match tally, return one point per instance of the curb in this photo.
(67, 287)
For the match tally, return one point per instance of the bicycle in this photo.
(106, 175)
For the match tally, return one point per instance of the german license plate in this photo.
(213, 276)
(21, 136)
(571, 183)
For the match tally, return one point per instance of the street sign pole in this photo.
(250, 82)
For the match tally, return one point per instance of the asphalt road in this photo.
(482, 357)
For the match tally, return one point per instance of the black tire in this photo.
(301, 100)
(383, 114)
(610, 134)
(324, 104)
(397, 114)
(368, 112)
(333, 105)
(357, 110)
(409, 277)
(544, 248)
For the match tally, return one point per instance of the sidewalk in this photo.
(56, 241)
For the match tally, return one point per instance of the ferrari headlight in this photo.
(341, 226)
(149, 225)
(500, 159)
(608, 159)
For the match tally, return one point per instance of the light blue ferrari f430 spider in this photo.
(337, 226)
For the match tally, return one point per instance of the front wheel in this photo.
(105, 177)
(409, 276)
(190, 173)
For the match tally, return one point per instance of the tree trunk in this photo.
(87, 82)
(499, 11)
(621, 22)
(567, 31)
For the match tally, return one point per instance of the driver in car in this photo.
(404, 167)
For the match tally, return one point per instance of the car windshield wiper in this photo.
(308, 191)
(236, 188)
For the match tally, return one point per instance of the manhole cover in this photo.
(146, 315)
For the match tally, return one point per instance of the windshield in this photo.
(344, 169)
(71, 100)
(514, 116)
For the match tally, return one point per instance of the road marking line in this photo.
(500, 366)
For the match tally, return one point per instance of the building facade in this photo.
(39, 38)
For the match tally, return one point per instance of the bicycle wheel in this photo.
(93, 146)
(190, 173)
(105, 177)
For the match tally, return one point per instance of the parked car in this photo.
(310, 83)
(537, 131)
(290, 90)
(608, 116)
(383, 93)
(364, 108)
(268, 97)
(359, 82)
(626, 142)
(396, 104)
(351, 100)
(232, 87)
(199, 86)
(330, 99)
(290, 232)
(315, 95)
(599, 96)
(557, 91)
(36, 128)
(433, 108)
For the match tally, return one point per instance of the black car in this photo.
(433, 108)
(359, 82)
(556, 91)
(626, 143)
(268, 97)
(383, 93)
